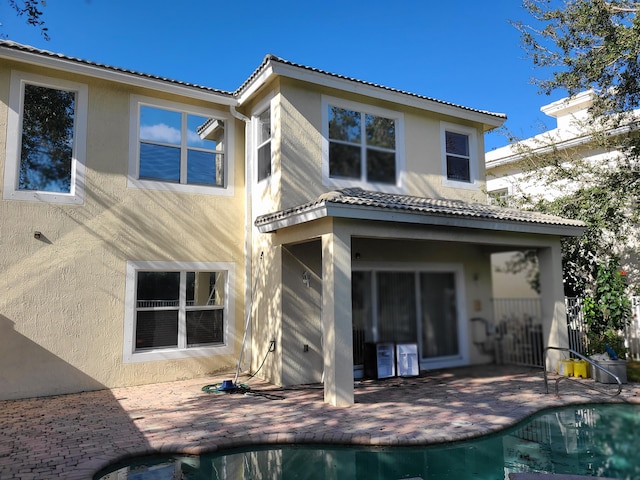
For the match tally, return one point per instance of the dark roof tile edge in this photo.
(275, 58)
(10, 44)
(38, 51)
(438, 207)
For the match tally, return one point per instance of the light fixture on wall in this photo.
(37, 235)
(306, 278)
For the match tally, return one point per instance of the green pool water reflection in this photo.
(594, 440)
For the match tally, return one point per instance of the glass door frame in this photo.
(457, 269)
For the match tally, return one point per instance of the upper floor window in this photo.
(263, 125)
(459, 145)
(46, 139)
(178, 148)
(176, 310)
(458, 158)
(362, 144)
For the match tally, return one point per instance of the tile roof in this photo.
(46, 53)
(273, 58)
(9, 44)
(425, 207)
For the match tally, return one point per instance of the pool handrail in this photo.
(588, 360)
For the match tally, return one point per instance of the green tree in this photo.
(587, 45)
(607, 310)
(31, 9)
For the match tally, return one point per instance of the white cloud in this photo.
(194, 138)
(160, 133)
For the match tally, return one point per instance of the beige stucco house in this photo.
(145, 222)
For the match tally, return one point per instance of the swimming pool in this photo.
(591, 440)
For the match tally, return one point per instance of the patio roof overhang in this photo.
(359, 204)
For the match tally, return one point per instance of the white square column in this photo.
(554, 311)
(336, 317)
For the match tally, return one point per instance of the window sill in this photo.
(176, 354)
(377, 187)
(179, 188)
(43, 197)
(475, 185)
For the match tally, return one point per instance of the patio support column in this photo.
(554, 311)
(336, 317)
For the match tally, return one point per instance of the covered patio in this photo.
(353, 230)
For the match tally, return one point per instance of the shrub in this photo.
(608, 310)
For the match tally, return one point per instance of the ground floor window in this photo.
(397, 306)
(176, 310)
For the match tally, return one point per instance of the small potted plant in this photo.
(607, 311)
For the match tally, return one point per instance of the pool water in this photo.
(593, 440)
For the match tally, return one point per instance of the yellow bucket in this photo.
(580, 368)
(565, 368)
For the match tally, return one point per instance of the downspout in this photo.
(248, 214)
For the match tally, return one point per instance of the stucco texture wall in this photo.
(299, 147)
(62, 308)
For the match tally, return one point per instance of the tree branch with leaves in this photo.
(586, 45)
(32, 10)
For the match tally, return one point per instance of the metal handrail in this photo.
(588, 360)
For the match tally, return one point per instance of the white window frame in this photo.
(133, 267)
(14, 140)
(462, 358)
(134, 181)
(398, 117)
(498, 196)
(474, 180)
(268, 103)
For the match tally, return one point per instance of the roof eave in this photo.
(116, 75)
(272, 66)
(574, 142)
(363, 212)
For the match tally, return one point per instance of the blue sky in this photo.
(462, 51)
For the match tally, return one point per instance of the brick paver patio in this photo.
(74, 436)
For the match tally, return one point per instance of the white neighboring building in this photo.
(572, 139)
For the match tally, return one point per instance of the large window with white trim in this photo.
(176, 310)
(45, 150)
(178, 147)
(362, 144)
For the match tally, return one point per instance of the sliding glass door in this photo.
(397, 307)
(439, 315)
(408, 306)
